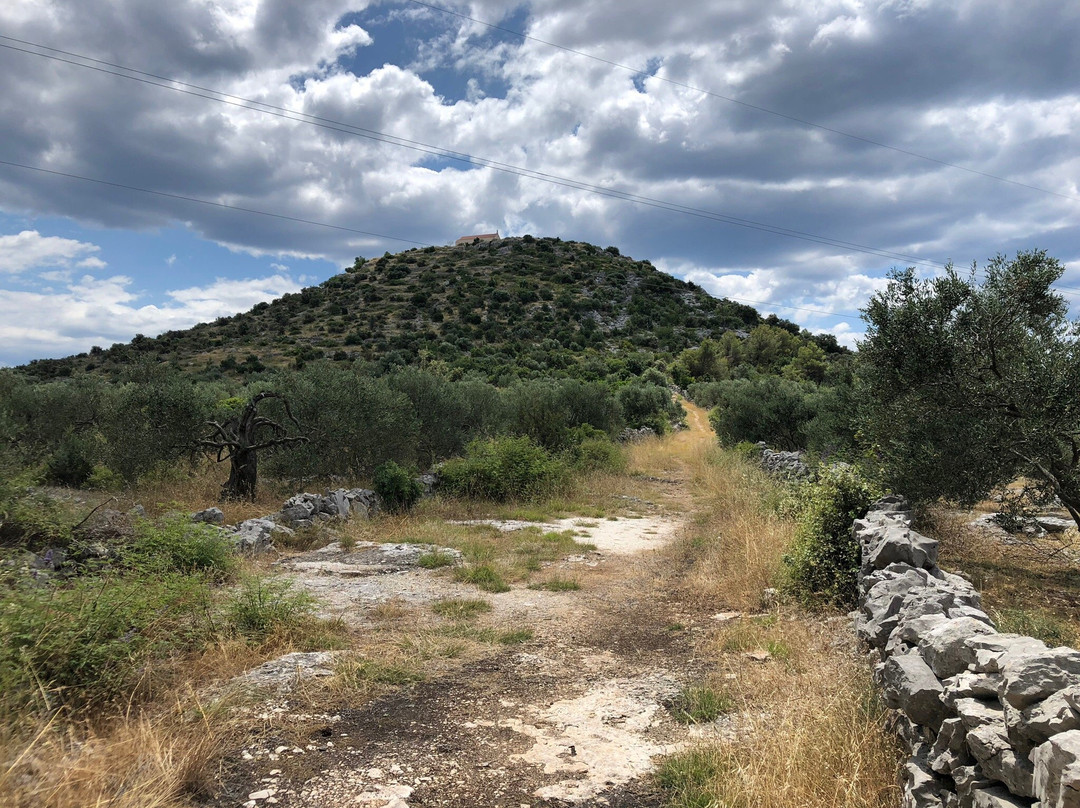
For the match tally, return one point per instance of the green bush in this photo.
(598, 454)
(103, 478)
(29, 518)
(503, 469)
(177, 544)
(822, 564)
(262, 606)
(396, 486)
(73, 461)
(90, 643)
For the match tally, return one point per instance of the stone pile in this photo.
(783, 464)
(256, 536)
(990, 720)
(629, 435)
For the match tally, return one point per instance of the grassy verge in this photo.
(807, 726)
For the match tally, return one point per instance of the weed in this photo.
(358, 672)
(700, 704)
(556, 585)
(460, 609)
(175, 543)
(516, 637)
(434, 560)
(484, 576)
(262, 606)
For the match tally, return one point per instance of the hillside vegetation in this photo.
(515, 308)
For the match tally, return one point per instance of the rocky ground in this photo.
(576, 715)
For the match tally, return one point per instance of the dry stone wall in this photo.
(990, 720)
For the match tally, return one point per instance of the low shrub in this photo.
(177, 544)
(435, 560)
(263, 606)
(484, 576)
(598, 454)
(700, 704)
(29, 518)
(823, 562)
(397, 487)
(90, 642)
(460, 608)
(503, 469)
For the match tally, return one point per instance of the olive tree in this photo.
(968, 384)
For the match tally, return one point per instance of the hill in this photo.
(515, 308)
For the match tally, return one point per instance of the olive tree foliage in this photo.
(967, 384)
(353, 423)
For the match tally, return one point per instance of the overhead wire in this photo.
(197, 200)
(745, 104)
(218, 96)
(351, 129)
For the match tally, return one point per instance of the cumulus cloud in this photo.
(990, 91)
(100, 311)
(31, 250)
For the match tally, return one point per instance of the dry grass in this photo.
(130, 763)
(810, 729)
(1022, 588)
(811, 734)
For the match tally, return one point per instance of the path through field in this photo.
(575, 715)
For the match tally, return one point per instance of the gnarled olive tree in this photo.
(241, 438)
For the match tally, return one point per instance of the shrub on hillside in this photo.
(396, 486)
(764, 408)
(503, 469)
(822, 564)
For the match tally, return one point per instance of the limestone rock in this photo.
(897, 543)
(1044, 719)
(945, 647)
(921, 787)
(995, 797)
(1032, 677)
(910, 685)
(950, 750)
(992, 651)
(210, 516)
(1057, 771)
(256, 536)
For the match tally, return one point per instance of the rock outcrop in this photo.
(989, 719)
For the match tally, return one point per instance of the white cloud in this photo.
(92, 311)
(990, 91)
(31, 250)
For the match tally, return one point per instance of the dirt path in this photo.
(574, 716)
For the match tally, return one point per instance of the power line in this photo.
(315, 223)
(746, 104)
(184, 198)
(176, 85)
(211, 203)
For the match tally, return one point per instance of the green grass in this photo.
(484, 576)
(1038, 623)
(435, 560)
(460, 609)
(700, 704)
(688, 778)
(357, 671)
(516, 637)
(556, 585)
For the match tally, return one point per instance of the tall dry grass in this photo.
(812, 737)
(810, 728)
(133, 763)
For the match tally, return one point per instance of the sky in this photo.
(784, 153)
